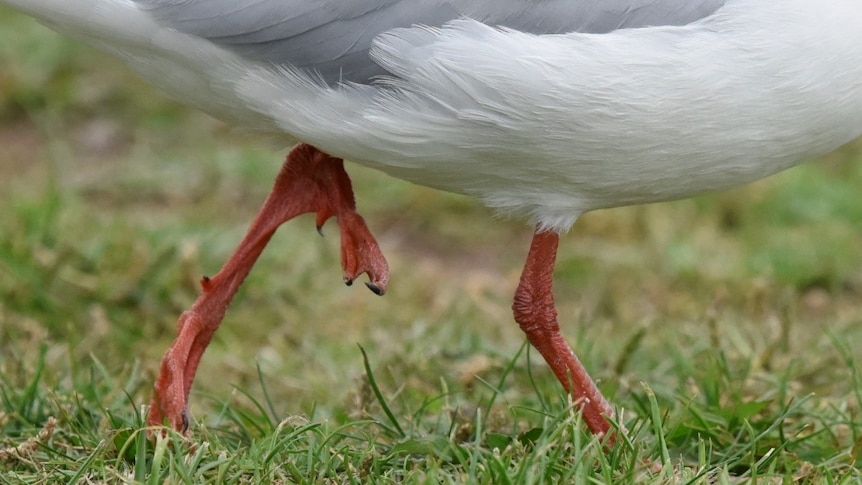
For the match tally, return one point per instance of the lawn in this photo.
(726, 329)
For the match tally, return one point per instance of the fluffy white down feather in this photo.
(540, 126)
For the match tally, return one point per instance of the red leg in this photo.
(534, 311)
(309, 181)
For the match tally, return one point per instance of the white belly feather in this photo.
(542, 126)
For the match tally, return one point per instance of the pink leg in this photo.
(309, 181)
(534, 311)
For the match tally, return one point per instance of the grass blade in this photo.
(379, 395)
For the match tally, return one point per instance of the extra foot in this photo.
(309, 181)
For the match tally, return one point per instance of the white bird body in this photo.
(543, 126)
(576, 105)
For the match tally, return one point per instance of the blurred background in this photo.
(114, 200)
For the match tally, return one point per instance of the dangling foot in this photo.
(309, 181)
(534, 311)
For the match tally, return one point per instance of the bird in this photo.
(540, 110)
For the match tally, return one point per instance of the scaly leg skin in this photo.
(309, 181)
(535, 313)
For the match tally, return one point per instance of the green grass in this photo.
(727, 328)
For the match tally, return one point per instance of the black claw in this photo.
(205, 278)
(320, 230)
(348, 282)
(374, 288)
(185, 420)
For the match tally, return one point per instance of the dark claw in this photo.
(185, 420)
(348, 282)
(320, 230)
(374, 288)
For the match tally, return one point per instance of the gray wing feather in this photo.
(333, 37)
